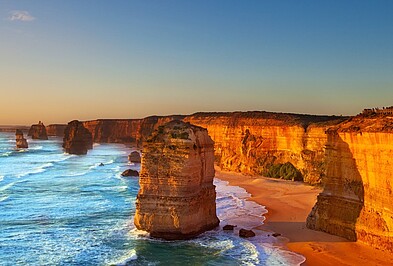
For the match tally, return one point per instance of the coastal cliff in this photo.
(357, 200)
(176, 199)
(253, 142)
(38, 131)
(77, 139)
(56, 130)
(126, 130)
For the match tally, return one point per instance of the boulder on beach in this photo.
(134, 157)
(38, 131)
(77, 139)
(130, 172)
(246, 233)
(21, 142)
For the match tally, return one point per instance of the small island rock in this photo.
(246, 233)
(77, 139)
(134, 157)
(38, 131)
(130, 172)
(21, 142)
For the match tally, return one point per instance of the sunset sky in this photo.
(64, 60)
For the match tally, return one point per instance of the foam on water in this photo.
(60, 209)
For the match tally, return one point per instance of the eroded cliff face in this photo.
(56, 130)
(176, 199)
(252, 142)
(357, 200)
(38, 131)
(125, 130)
(77, 139)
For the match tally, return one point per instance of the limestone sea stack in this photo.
(134, 157)
(77, 139)
(21, 142)
(38, 131)
(177, 197)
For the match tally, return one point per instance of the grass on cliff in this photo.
(284, 171)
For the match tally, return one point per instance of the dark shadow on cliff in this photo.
(340, 203)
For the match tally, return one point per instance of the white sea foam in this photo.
(1, 177)
(37, 170)
(126, 259)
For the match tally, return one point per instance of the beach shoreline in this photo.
(288, 204)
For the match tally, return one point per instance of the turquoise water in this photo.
(61, 209)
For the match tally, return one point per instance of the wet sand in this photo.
(288, 204)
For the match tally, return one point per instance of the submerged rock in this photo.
(21, 142)
(130, 172)
(77, 139)
(134, 157)
(246, 233)
(177, 197)
(38, 131)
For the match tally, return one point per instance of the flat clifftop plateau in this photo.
(357, 200)
(367, 123)
(177, 197)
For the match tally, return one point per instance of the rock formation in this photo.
(38, 131)
(176, 199)
(134, 157)
(357, 200)
(130, 172)
(55, 130)
(21, 142)
(77, 139)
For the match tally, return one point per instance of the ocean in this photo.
(61, 209)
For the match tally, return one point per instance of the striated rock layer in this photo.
(357, 200)
(38, 131)
(21, 142)
(177, 197)
(77, 139)
(253, 142)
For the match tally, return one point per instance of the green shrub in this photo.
(284, 171)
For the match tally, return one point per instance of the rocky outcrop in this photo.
(56, 130)
(176, 199)
(134, 157)
(357, 200)
(246, 233)
(77, 139)
(38, 131)
(21, 142)
(130, 172)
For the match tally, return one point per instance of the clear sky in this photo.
(64, 60)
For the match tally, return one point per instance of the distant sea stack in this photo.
(21, 142)
(77, 139)
(177, 197)
(38, 131)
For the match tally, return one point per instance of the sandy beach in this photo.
(288, 204)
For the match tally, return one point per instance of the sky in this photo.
(65, 60)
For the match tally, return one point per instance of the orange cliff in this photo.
(246, 142)
(357, 200)
(251, 142)
(176, 199)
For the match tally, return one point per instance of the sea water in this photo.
(61, 209)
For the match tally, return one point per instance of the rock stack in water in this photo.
(134, 157)
(77, 139)
(38, 131)
(21, 142)
(177, 197)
